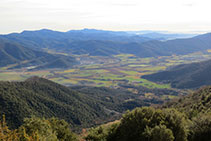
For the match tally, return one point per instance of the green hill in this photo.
(43, 98)
(12, 53)
(192, 75)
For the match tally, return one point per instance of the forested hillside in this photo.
(193, 104)
(192, 75)
(185, 119)
(12, 53)
(43, 98)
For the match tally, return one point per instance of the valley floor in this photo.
(119, 71)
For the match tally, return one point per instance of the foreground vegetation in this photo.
(35, 129)
(188, 118)
(185, 119)
(146, 124)
(149, 124)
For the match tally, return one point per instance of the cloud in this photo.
(189, 4)
(130, 14)
(125, 5)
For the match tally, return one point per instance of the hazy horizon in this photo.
(181, 16)
(143, 31)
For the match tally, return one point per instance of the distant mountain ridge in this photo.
(107, 43)
(192, 75)
(162, 35)
(14, 53)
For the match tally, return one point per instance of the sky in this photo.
(119, 15)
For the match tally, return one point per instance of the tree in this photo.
(102, 133)
(159, 133)
(48, 129)
(13, 135)
(5, 133)
(62, 130)
(200, 129)
(148, 123)
(37, 125)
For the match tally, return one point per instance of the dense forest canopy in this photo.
(185, 119)
(80, 107)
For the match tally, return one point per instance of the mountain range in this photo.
(161, 35)
(107, 43)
